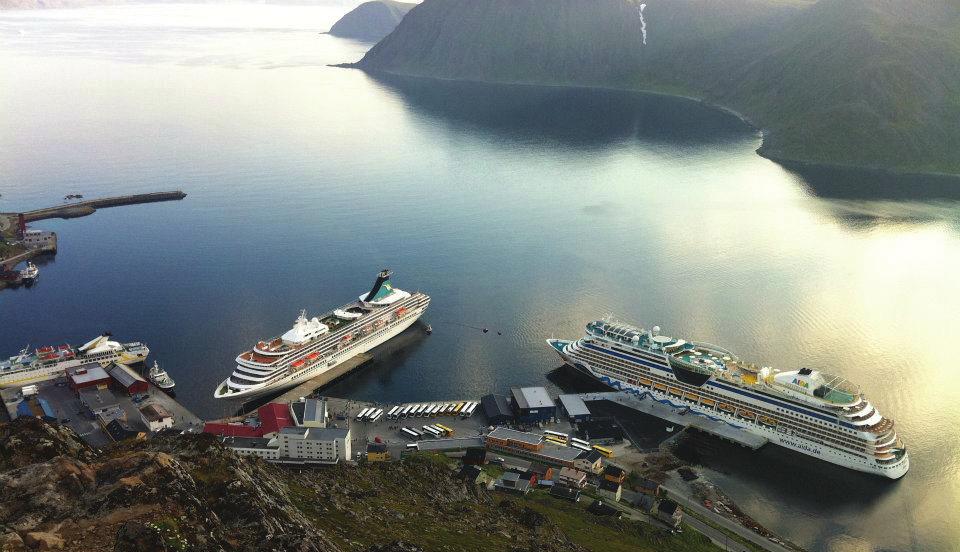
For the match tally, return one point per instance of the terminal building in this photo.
(532, 404)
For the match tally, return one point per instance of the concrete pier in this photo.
(679, 416)
(84, 208)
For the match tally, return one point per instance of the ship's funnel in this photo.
(381, 288)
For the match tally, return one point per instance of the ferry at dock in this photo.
(809, 411)
(51, 362)
(316, 345)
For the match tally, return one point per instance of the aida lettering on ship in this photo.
(314, 346)
(806, 410)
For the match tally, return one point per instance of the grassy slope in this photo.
(413, 502)
(861, 82)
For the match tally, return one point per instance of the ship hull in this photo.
(297, 378)
(38, 375)
(788, 441)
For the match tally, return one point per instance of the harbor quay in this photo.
(101, 414)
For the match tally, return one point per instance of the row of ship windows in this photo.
(630, 372)
(809, 418)
(806, 429)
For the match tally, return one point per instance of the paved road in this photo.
(689, 503)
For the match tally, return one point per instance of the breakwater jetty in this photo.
(84, 208)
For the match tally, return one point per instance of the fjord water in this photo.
(525, 210)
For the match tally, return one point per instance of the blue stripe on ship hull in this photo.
(714, 383)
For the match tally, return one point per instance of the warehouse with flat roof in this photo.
(575, 409)
(533, 404)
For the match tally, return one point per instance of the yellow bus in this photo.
(446, 429)
(457, 409)
(554, 440)
(607, 453)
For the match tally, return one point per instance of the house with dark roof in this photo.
(512, 482)
(669, 512)
(589, 461)
(645, 503)
(649, 487)
(614, 474)
(609, 490)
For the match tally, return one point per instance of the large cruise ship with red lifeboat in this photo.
(51, 362)
(315, 345)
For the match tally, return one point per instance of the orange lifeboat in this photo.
(346, 338)
(313, 356)
(297, 363)
(401, 311)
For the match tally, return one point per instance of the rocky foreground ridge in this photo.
(189, 493)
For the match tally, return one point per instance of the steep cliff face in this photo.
(860, 82)
(371, 21)
(168, 494)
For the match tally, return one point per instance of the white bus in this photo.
(363, 413)
(562, 436)
(393, 413)
(468, 410)
(412, 447)
(432, 431)
(575, 441)
(421, 410)
(376, 415)
(581, 447)
(407, 411)
(413, 434)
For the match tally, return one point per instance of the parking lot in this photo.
(345, 411)
(68, 409)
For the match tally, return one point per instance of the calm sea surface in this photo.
(528, 211)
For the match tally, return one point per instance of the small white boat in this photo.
(30, 274)
(160, 377)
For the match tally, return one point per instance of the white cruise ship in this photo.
(314, 346)
(50, 362)
(806, 410)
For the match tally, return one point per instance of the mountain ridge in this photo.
(832, 82)
(371, 21)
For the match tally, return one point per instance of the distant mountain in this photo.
(371, 21)
(849, 82)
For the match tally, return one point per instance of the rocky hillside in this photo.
(188, 493)
(856, 82)
(371, 21)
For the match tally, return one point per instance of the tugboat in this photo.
(30, 274)
(160, 377)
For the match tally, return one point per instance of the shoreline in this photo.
(782, 160)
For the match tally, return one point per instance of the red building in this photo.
(128, 379)
(88, 375)
(273, 417)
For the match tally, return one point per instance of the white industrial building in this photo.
(300, 445)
